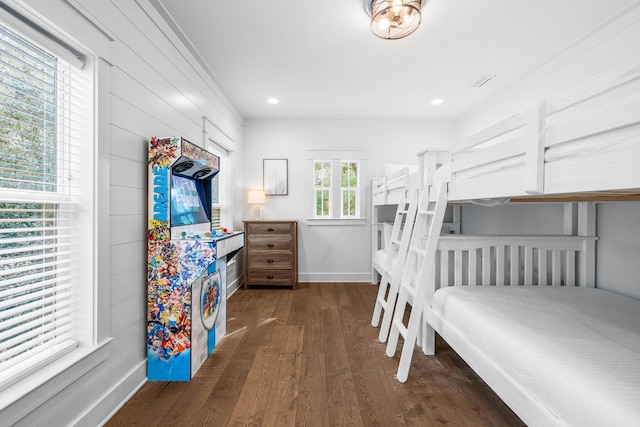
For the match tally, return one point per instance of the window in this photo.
(349, 184)
(337, 194)
(46, 206)
(221, 215)
(322, 188)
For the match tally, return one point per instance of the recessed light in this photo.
(273, 101)
(436, 101)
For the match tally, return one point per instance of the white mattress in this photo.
(575, 351)
(382, 255)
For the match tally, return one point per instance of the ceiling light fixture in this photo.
(273, 101)
(436, 101)
(394, 19)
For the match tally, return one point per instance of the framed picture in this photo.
(275, 179)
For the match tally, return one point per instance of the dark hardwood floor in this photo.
(310, 357)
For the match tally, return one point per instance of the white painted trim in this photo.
(334, 277)
(336, 221)
(107, 399)
(234, 286)
(22, 398)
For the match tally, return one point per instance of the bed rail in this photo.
(469, 260)
(585, 141)
(388, 189)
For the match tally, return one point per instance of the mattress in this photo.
(573, 351)
(382, 256)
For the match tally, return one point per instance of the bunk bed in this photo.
(387, 195)
(524, 311)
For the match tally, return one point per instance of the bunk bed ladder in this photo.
(409, 269)
(392, 270)
(414, 284)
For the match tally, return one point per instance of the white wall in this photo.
(333, 253)
(618, 248)
(515, 218)
(610, 49)
(154, 88)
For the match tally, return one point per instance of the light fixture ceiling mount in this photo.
(394, 19)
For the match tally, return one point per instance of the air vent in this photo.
(482, 80)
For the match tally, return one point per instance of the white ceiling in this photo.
(322, 62)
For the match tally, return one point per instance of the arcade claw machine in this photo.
(186, 291)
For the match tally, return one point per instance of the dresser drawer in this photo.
(275, 261)
(270, 228)
(276, 277)
(277, 242)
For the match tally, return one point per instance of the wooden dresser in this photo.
(271, 253)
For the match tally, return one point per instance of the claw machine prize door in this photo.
(209, 313)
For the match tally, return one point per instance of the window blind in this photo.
(221, 192)
(40, 172)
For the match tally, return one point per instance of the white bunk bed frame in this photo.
(391, 189)
(394, 187)
(584, 147)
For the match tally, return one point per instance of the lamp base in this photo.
(257, 212)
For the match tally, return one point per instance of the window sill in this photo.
(336, 221)
(50, 380)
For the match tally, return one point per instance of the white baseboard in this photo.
(334, 277)
(115, 398)
(234, 286)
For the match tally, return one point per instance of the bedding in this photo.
(575, 351)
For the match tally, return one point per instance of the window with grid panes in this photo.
(337, 194)
(349, 188)
(322, 188)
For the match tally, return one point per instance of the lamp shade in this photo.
(256, 197)
(395, 19)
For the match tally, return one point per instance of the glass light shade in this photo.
(395, 19)
(256, 197)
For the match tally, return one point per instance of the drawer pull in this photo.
(269, 261)
(270, 230)
(270, 245)
(269, 276)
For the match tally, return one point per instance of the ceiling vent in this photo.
(482, 80)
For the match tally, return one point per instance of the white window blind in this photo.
(221, 215)
(41, 171)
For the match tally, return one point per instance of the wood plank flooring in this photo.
(310, 357)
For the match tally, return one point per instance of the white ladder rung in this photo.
(401, 328)
(423, 212)
(395, 241)
(418, 251)
(411, 293)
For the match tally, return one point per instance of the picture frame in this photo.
(275, 177)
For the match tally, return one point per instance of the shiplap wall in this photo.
(156, 89)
